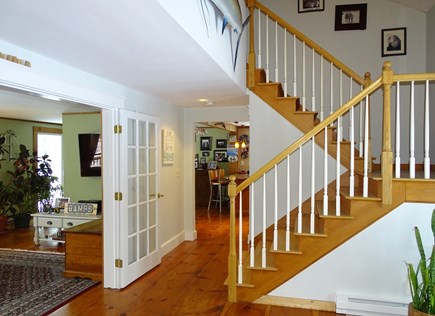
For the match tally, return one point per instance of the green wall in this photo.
(24, 135)
(75, 186)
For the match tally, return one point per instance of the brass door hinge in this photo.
(117, 129)
(118, 263)
(118, 196)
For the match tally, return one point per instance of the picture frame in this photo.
(311, 5)
(205, 154)
(351, 17)
(205, 143)
(202, 161)
(221, 143)
(61, 202)
(168, 146)
(393, 41)
(220, 155)
(212, 164)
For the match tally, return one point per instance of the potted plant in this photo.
(32, 181)
(422, 279)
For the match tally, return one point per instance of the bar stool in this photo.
(217, 183)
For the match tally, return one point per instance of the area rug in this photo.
(32, 283)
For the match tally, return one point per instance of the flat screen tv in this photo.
(90, 155)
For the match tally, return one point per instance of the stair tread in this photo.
(358, 194)
(306, 221)
(282, 243)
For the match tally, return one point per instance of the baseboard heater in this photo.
(355, 304)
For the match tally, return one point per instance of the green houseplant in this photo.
(32, 181)
(422, 279)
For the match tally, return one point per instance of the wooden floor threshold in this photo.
(297, 303)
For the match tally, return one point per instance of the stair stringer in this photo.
(364, 213)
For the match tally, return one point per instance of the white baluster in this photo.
(332, 91)
(275, 202)
(366, 150)
(276, 52)
(295, 83)
(240, 274)
(412, 135)
(252, 228)
(313, 83)
(340, 119)
(313, 186)
(300, 192)
(259, 40)
(303, 77)
(352, 146)
(263, 249)
(267, 48)
(338, 174)
(325, 175)
(397, 159)
(426, 159)
(361, 126)
(287, 225)
(321, 89)
(285, 64)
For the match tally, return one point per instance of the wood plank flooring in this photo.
(189, 281)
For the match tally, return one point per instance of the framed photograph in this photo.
(168, 146)
(205, 143)
(61, 202)
(202, 161)
(212, 164)
(394, 41)
(351, 17)
(311, 5)
(221, 155)
(205, 154)
(233, 138)
(221, 143)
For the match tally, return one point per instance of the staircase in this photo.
(340, 209)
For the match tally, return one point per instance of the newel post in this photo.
(251, 55)
(387, 154)
(232, 257)
(368, 82)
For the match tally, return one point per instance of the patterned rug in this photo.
(32, 283)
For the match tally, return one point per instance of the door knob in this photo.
(160, 195)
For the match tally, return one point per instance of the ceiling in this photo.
(132, 42)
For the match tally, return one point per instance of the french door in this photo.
(139, 247)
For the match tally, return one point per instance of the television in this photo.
(90, 154)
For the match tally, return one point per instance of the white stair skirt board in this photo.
(355, 304)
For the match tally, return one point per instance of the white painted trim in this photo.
(29, 81)
(171, 244)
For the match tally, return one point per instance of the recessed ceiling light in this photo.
(202, 100)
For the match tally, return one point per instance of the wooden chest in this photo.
(84, 251)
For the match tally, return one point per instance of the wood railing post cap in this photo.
(387, 65)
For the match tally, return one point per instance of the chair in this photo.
(217, 183)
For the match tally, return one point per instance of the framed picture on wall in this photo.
(311, 5)
(205, 143)
(221, 143)
(394, 41)
(205, 154)
(221, 155)
(351, 17)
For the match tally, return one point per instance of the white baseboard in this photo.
(172, 243)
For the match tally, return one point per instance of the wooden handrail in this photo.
(414, 77)
(303, 139)
(310, 43)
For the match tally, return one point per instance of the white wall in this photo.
(430, 27)
(195, 16)
(372, 263)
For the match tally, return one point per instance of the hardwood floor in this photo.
(189, 281)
